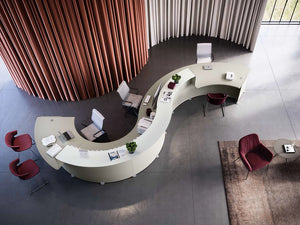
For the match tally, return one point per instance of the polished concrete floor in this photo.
(184, 185)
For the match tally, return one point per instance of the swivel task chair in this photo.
(129, 100)
(204, 53)
(94, 131)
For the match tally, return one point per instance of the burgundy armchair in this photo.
(253, 153)
(18, 143)
(25, 171)
(216, 99)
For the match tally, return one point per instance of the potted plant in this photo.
(131, 146)
(176, 78)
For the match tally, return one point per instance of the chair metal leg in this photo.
(135, 112)
(222, 109)
(267, 168)
(247, 175)
(39, 187)
(204, 109)
(35, 155)
(237, 159)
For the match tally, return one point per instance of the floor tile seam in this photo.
(261, 89)
(279, 90)
(192, 177)
(163, 172)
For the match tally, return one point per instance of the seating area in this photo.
(185, 184)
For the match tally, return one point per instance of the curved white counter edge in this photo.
(96, 166)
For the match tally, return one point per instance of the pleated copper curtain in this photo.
(72, 49)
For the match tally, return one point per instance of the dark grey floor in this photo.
(184, 185)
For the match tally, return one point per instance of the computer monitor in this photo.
(155, 96)
(97, 119)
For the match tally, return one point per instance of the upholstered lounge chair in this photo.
(253, 153)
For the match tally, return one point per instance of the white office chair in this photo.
(94, 130)
(129, 100)
(204, 53)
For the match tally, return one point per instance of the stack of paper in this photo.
(54, 150)
(143, 125)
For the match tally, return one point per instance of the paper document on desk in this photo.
(54, 150)
(83, 153)
(123, 152)
(143, 124)
(166, 96)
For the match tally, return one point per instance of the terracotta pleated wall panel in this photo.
(72, 49)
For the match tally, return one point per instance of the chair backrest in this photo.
(9, 139)
(123, 90)
(25, 170)
(97, 119)
(216, 98)
(248, 143)
(204, 50)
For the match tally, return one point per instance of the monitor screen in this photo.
(155, 96)
(97, 119)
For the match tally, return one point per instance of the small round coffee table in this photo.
(279, 149)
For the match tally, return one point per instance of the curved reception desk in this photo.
(90, 161)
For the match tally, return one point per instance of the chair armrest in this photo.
(246, 162)
(86, 123)
(98, 133)
(23, 174)
(266, 152)
(16, 147)
(131, 103)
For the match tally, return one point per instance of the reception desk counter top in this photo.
(90, 161)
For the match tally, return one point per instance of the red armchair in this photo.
(25, 171)
(216, 99)
(253, 153)
(18, 143)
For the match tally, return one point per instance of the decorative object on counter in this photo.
(176, 78)
(152, 115)
(113, 155)
(148, 111)
(131, 147)
(171, 85)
